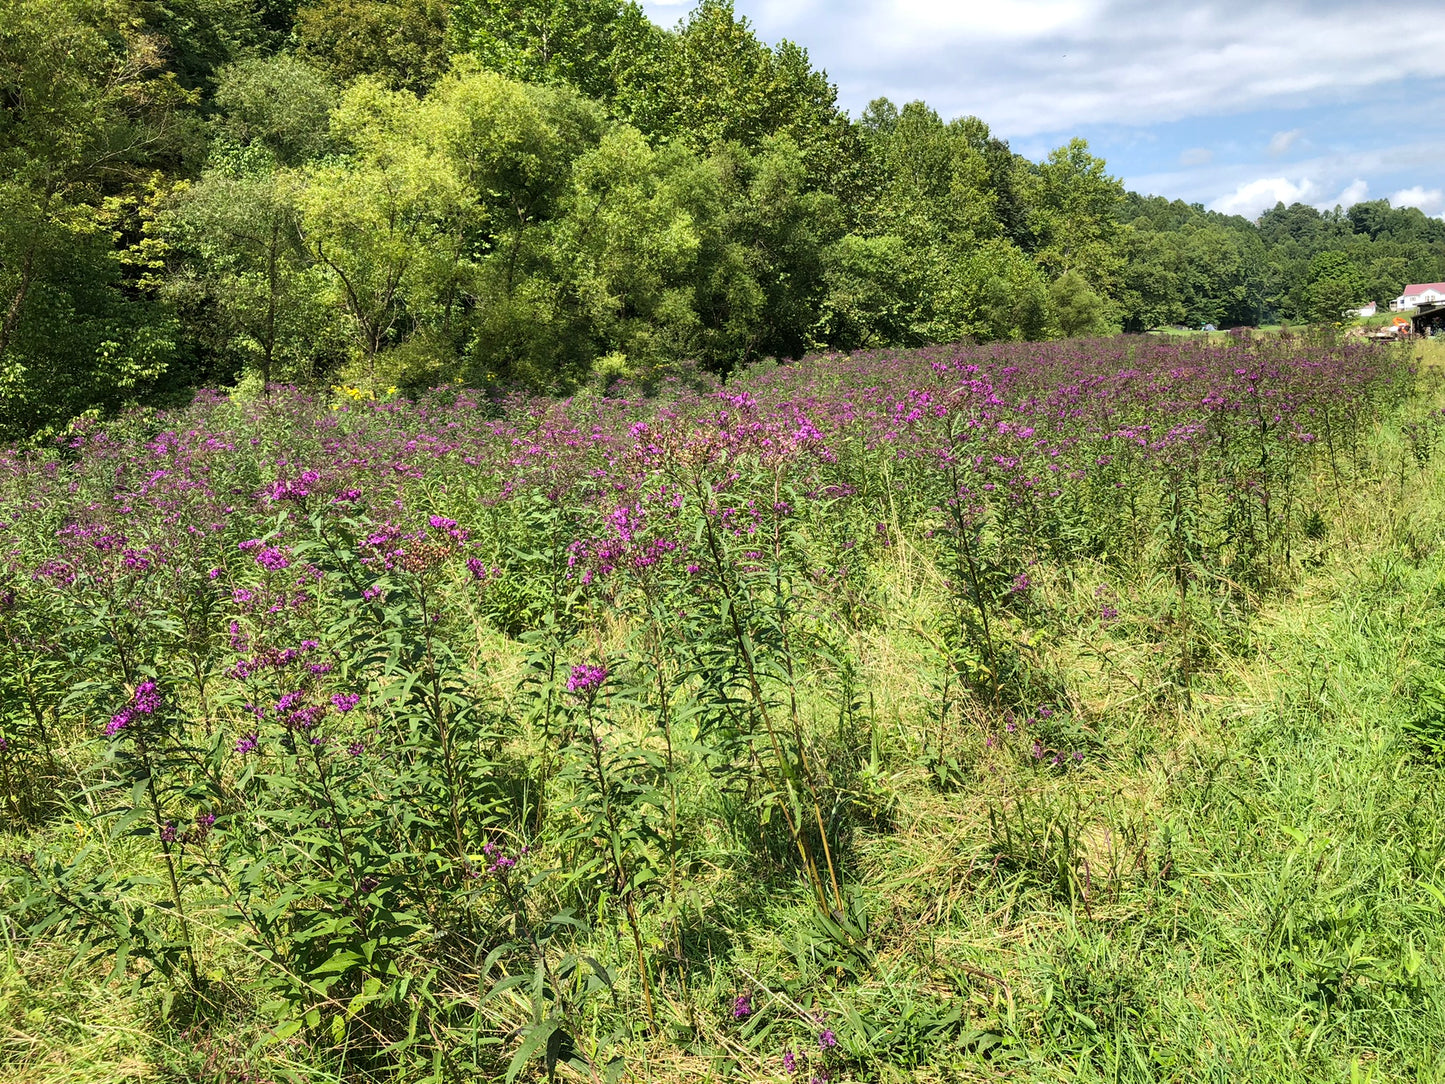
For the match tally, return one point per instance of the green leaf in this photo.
(536, 1039)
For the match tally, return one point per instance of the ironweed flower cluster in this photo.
(586, 678)
(145, 701)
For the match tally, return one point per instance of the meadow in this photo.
(1050, 711)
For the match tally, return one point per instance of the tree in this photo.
(1078, 309)
(243, 278)
(591, 45)
(1075, 216)
(1221, 277)
(1152, 292)
(712, 82)
(383, 220)
(1334, 284)
(279, 103)
(88, 112)
(401, 44)
(874, 290)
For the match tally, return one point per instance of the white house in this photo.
(1364, 312)
(1418, 294)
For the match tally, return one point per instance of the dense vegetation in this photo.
(1040, 711)
(527, 195)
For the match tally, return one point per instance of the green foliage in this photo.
(278, 103)
(1079, 310)
(1333, 284)
(592, 45)
(400, 43)
(88, 110)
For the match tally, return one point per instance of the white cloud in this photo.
(1254, 197)
(1196, 156)
(1031, 66)
(906, 23)
(1429, 200)
(1354, 192)
(1281, 142)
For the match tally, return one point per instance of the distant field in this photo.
(1063, 711)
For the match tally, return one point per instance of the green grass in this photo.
(1247, 888)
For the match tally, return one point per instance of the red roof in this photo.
(1421, 287)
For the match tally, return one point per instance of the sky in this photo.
(1234, 104)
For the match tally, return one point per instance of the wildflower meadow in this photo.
(1028, 712)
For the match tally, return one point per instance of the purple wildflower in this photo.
(827, 1040)
(147, 698)
(273, 558)
(742, 1007)
(247, 743)
(168, 833)
(344, 702)
(584, 679)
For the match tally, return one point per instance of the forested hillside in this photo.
(408, 193)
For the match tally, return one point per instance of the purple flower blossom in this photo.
(147, 698)
(790, 1062)
(356, 748)
(273, 558)
(584, 678)
(247, 743)
(480, 572)
(168, 833)
(827, 1040)
(742, 1007)
(344, 702)
(118, 722)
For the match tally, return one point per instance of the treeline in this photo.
(1185, 265)
(536, 192)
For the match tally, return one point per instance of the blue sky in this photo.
(1233, 104)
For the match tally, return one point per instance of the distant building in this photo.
(1419, 294)
(1365, 311)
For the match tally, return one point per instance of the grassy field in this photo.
(1111, 873)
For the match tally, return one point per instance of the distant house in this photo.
(1365, 311)
(1418, 294)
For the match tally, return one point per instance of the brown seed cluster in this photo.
(424, 556)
